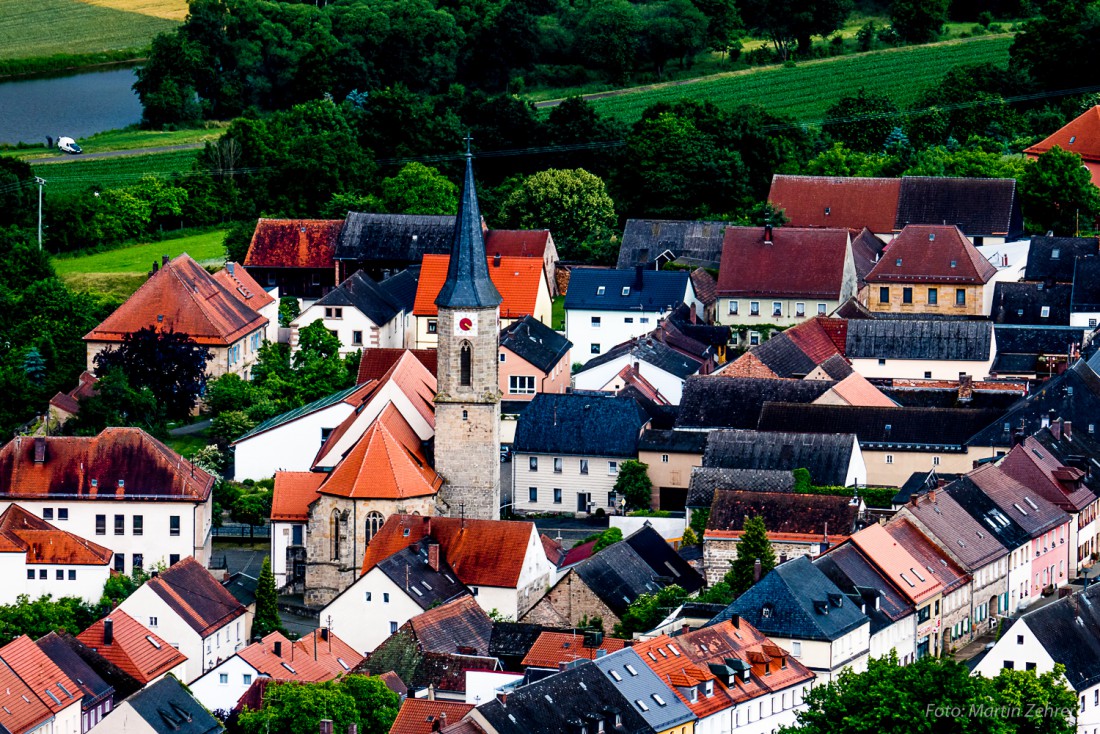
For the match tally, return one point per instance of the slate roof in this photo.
(531, 340)
(1069, 630)
(1023, 505)
(409, 569)
(618, 576)
(513, 639)
(918, 339)
(243, 587)
(456, 626)
(375, 363)
(933, 429)
(553, 649)
(866, 251)
(41, 542)
(802, 604)
(977, 206)
(141, 654)
(932, 254)
(401, 287)
(706, 480)
(196, 597)
(649, 350)
(798, 263)
(652, 548)
(1062, 480)
(517, 281)
(679, 442)
(468, 284)
(562, 424)
(786, 515)
(706, 287)
(1086, 285)
(920, 482)
(182, 297)
(640, 685)
(168, 706)
(644, 240)
(360, 292)
(1023, 303)
(826, 456)
(1051, 259)
(367, 237)
(116, 464)
(1036, 340)
(982, 395)
(733, 402)
(293, 243)
(88, 681)
(858, 578)
(837, 367)
(648, 290)
(837, 201)
(423, 716)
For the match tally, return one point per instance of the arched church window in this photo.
(464, 357)
(334, 534)
(374, 524)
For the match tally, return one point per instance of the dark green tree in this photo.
(633, 484)
(267, 618)
(116, 402)
(377, 704)
(573, 205)
(170, 364)
(1057, 48)
(419, 189)
(18, 194)
(238, 237)
(611, 536)
(290, 708)
(43, 615)
(252, 509)
(752, 547)
(724, 24)
(608, 34)
(1057, 194)
(918, 21)
(228, 426)
(862, 121)
(647, 611)
(791, 24)
(671, 30)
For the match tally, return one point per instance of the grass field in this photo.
(136, 259)
(806, 90)
(128, 139)
(37, 28)
(76, 176)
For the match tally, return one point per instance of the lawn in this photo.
(137, 259)
(188, 444)
(807, 89)
(557, 313)
(131, 139)
(52, 27)
(78, 175)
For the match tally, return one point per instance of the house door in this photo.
(584, 499)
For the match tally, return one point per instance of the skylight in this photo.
(626, 290)
(660, 701)
(639, 703)
(601, 290)
(1021, 510)
(616, 676)
(292, 670)
(152, 642)
(1032, 504)
(630, 669)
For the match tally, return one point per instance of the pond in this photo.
(76, 105)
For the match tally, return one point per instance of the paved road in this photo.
(115, 153)
(190, 429)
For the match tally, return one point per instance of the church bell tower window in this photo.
(464, 364)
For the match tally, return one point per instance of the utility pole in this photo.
(41, 183)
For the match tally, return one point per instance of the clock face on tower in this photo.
(465, 323)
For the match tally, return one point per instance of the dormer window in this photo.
(954, 263)
(1055, 254)
(898, 262)
(827, 211)
(626, 290)
(601, 290)
(766, 611)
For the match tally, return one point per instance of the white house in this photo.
(608, 307)
(361, 313)
(187, 607)
(37, 691)
(921, 349)
(121, 488)
(165, 706)
(660, 365)
(294, 491)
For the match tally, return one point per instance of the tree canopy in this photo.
(574, 205)
(1057, 194)
(168, 363)
(753, 546)
(291, 708)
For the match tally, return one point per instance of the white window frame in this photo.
(733, 305)
(521, 385)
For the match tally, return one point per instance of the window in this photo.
(628, 320)
(884, 295)
(1092, 323)
(800, 309)
(906, 295)
(557, 465)
(30, 574)
(595, 349)
(138, 522)
(139, 561)
(611, 497)
(521, 385)
(366, 596)
(502, 357)
(1009, 665)
(754, 308)
(47, 513)
(357, 338)
(935, 461)
(821, 309)
(374, 524)
(664, 458)
(100, 524)
(532, 494)
(584, 466)
(600, 290)
(385, 597)
(533, 463)
(120, 524)
(60, 575)
(626, 290)
(62, 513)
(433, 326)
(42, 574)
(557, 495)
(174, 525)
(754, 339)
(152, 621)
(796, 648)
(933, 296)
(464, 367)
(777, 308)
(927, 375)
(393, 628)
(1029, 666)
(889, 458)
(612, 467)
(1019, 639)
(246, 678)
(334, 313)
(174, 558)
(643, 320)
(596, 320)
(881, 361)
(960, 296)
(120, 562)
(924, 614)
(733, 308)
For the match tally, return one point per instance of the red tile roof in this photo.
(946, 571)
(855, 389)
(932, 254)
(70, 402)
(243, 286)
(34, 667)
(194, 595)
(1083, 130)
(459, 626)
(141, 654)
(21, 710)
(20, 531)
(292, 663)
(119, 463)
(481, 552)
(375, 363)
(294, 492)
(517, 242)
(706, 287)
(551, 649)
(1033, 466)
(820, 337)
(850, 203)
(329, 651)
(633, 378)
(518, 280)
(421, 716)
(799, 263)
(182, 297)
(294, 243)
(896, 564)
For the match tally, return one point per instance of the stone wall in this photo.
(568, 603)
(718, 553)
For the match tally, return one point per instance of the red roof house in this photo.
(1081, 136)
(297, 255)
(140, 653)
(837, 201)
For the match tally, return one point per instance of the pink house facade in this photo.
(533, 359)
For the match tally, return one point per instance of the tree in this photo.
(170, 364)
(723, 23)
(291, 708)
(252, 508)
(573, 204)
(608, 35)
(419, 189)
(789, 22)
(839, 161)
(633, 484)
(1057, 48)
(611, 536)
(1057, 194)
(672, 29)
(918, 21)
(116, 402)
(238, 238)
(267, 618)
(226, 427)
(754, 546)
(377, 704)
(119, 587)
(862, 121)
(647, 611)
(43, 615)
(17, 192)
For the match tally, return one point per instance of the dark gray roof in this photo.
(706, 480)
(836, 367)
(919, 483)
(919, 339)
(1023, 339)
(866, 250)
(618, 576)
(784, 357)
(939, 396)
(930, 429)
(1023, 303)
(534, 341)
(663, 559)
(367, 237)
(1086, 285)
(808, 515)
(697, 243)
(649, 350)
(401, 287)
(955, 530)
(826, 456)
(513, 639)
(581, 424)
(560, 702)
(1069, 630)
(60, 650)
(1051, 259)
(987, 514)
(735, 402)
(242, 587)
(649, 290)
(678, 442)
(800, 602)
(977, 206)
(857, 577)
(638, 683)
(468, 284)
(409, 569)
(362, 293)
(168, 708)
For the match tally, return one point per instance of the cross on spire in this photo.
(468, 138)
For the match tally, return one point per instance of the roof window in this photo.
(931, 236)
(898, 262)
(615, 675)
(641, 705)
(657, 697)
(152, 641)
(630, 669)
(954, 264)
(292, 670)
(601, 290)
(626, 290)
(1055, 254)
(1072, 139)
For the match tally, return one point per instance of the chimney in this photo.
(324, 634)
(1067, 429)
(767, 234)
(433, 556)
(229, 268)
(442, 719)
(757, 571)
(932, 495)
(431, 692)
(40, 450)
(1056, 429)
(279, 654)
(496, 260)
(638, 277)
(163, 260)
(326, 726)
(156, 266)
(735, 620)
(108, 631)
(966, 388)
(684, 629)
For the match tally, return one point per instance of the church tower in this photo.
(467, 403)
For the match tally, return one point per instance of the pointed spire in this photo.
(468, 284)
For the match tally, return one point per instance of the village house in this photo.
(832, 459)
(231, 315)
(50, 689)
(915, 348)
(655, 242)
(637, 682)
(660, 365)
(526, 243)
(361, 313)
(813, 349)
(670, 457)
(1081, 135)
(293, 493)
(533, 359)
(717, 401)
(838, 202)
(96, 695)
(384, 244)
(166, 705)
(1031, 304)
(424, 715)
(64, 405)
(707, 480)
(1036, 352)
(1051, 260)
(122, 484)
(295, 256)
(554, 650)
(139, 652)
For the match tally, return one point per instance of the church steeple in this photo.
(468, 284)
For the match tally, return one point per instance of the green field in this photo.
(806, 90)
(130, 139)
(51, 27)
(77, 175)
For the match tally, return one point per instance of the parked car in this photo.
(68, 145)
(505, 453)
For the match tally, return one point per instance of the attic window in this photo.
(1072, 139)
(343, 664)
(652, 656)
(630, 669)
(954, 263)
(1055, 254)
(639, 703)
(1021, 510)
(626, 290)
(827, 211)
(616, 676)
(1031, 503)
(898, 262)
(931, 236)
(152, 642)
(906, 580)
(405, 533)
(292, 670)
(657, 697)
(673, 649)
(1044, 312)
(160, 318)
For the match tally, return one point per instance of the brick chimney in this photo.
(108, 631)
(326, 726)
(966, 388)
(767, 234)
(757, 571)
(433, 556)
(496, 260)
(279, 654)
